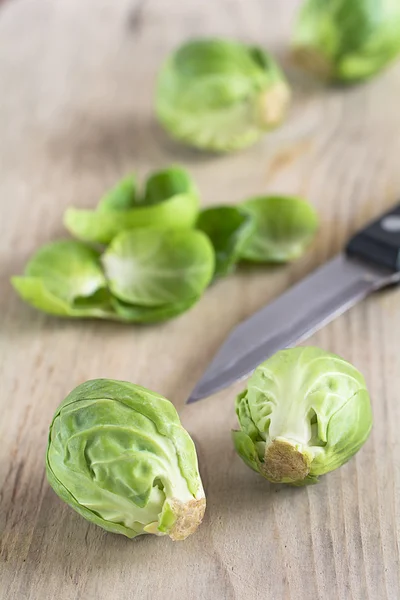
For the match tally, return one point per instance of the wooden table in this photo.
(77, 82)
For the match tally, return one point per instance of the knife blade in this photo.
(370, 262)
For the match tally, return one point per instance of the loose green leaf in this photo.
(150, 314)
(304, 413)
(220, 95)
(119, 456)
(170, 201)
(123, 196)
(149, 267)
(64, 278)
(347, 41)
(284, 227)
(229, 229)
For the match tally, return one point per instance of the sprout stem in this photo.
(189, 516)
(284, 462)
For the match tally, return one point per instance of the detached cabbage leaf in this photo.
(284, 227)
(65, 278)
(118, 455)
(151, 267)
(347, 40)
(170, 201)
(134, 313)
(229, 228)
(305, 412)
(220, 95)
(122, 196)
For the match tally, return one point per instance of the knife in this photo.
(370, 262)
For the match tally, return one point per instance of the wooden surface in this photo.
(76, 89)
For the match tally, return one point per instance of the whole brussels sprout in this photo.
(118, 455)
(220, 95)
(305, 412)
(347, 40)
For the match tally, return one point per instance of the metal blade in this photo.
(291, 318)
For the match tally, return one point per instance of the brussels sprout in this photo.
(220, 95)
(347, 41)
(118, 455)
(152, 267)
(170, 200)
(65, 278)
(228, 228)
(305, 412)
(284, 227)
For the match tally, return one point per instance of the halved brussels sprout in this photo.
(170, 200)
(150, 267)
(220, 95)
(284, 227)
(347, 40)
(118, 455)
(229, 229)
(305, 412)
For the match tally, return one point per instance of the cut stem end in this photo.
(284, 463)
(189, 515)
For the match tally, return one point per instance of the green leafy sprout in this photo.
(304, 413)
(345, 40)
(220, 95)
(119, 456)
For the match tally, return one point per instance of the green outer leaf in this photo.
(246, 449)
(229, 228)
(220, 95)
(34, 291)
(117, 454)
(170, 182)
(151, 314)
(155, 268)
(170, 201)
(354, 40)
(123, 196)
(284, 227)
(309, 398)
(68, 268)
(178, 212)
(64, 278)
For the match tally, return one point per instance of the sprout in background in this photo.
(284, 227)
(347, 40)
(229, 228)
(118, 455)
(220, 95)
(65, 278)
(153, 267)
(170, 200)
(305, 412)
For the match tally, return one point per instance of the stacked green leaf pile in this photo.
(147, 257)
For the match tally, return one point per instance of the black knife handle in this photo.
(379, 242)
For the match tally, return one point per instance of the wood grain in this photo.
(77, 83)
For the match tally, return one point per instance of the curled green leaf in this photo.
(229, 229)
(170, 201)
(119, 456)
(64, 278)
(150, 267)
(132, 313)
(123, 196)
(347, 41)
(220, 95)
(284, 227)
